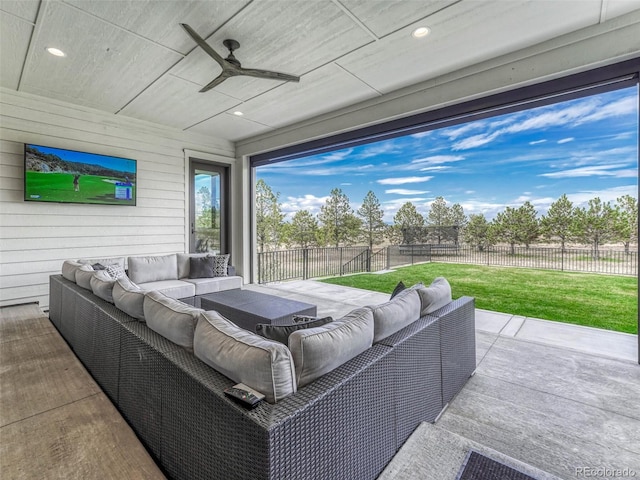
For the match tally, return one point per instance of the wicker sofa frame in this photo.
(346, 425)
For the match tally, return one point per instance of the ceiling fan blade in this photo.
(253, 72)
(204, 45)
(216, 81)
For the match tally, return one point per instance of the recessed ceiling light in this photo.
(420, 32)
(56, 51)
(238, 113)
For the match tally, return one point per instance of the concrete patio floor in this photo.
(553, 396)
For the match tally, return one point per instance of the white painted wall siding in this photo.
(35, 238)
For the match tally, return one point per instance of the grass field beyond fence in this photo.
(601, 301)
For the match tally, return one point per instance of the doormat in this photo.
(478, 467)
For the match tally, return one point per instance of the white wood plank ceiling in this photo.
(132, 58)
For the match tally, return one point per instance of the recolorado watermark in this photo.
(605, 472)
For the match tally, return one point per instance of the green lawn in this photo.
(602, 301)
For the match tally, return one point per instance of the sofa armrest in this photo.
(457, 344)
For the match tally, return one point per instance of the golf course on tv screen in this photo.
(69, 176)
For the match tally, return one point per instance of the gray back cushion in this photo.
(435, 296)
(129, 297)
(171, 318)
(319, 350)
(102, 285)
(83, 276)
(153, 268)
(395, 314)
(105, 261)
(244, 357)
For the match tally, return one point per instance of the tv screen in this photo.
(69, 176)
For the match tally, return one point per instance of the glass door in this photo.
(208, 208)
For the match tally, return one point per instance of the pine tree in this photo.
(478, 232)
(438, 218)
(303, 230)
(595, 225)
(373, 227)
(517, 225)
(339, 223)
(559, 220)
(408, 226)
(626, 221)
(269, 217)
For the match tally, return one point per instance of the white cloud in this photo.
(589, 171)
(421, 134)
(403, 180)
(439, 168)
(581, 199)
(307, 202)
(454, 132)
(404, 191)
(624, 106)
(536, 142)
(380, 148)
(587, 110)
(437, 160)
(566, 140)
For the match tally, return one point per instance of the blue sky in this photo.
(114, 163)
(585, 148)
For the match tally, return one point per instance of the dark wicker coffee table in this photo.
(247, 308)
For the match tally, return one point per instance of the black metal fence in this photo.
(324, 262)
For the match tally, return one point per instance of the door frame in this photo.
(218, 165)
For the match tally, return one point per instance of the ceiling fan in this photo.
(231, 66)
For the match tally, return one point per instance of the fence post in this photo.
(341, 264)
(305, 263)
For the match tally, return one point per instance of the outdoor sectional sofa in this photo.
(345, 424)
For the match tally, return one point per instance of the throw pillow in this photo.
(220, 264)
(115, 271)
(98, 266)
(399, 287)
(280, 333)
(201, 267)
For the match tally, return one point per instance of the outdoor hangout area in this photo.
(547, 399)
(319, 240)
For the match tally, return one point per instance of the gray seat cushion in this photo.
(174, 320)
(213, 285)
(435, 296)
(171, 288)
(244, 357)
(153, 268)
(395, 314)
(319, 350)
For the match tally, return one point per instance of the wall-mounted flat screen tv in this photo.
(70, 176)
